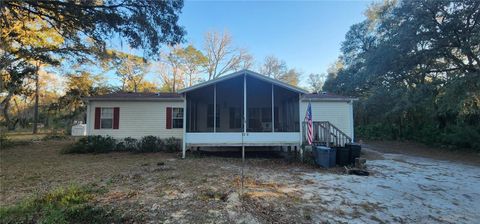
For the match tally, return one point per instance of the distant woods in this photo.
(415, 68)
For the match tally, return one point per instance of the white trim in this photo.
(326, 99)
(300, 118)
(235, 138)
(133, 99)
(89, 119)
(351, 121)
(184, 140)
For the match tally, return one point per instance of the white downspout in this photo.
(184, 141)
(351, 121)
(89, 108)
(300, 117)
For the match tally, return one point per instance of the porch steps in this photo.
(327, 134)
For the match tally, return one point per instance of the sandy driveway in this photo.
(402, 189)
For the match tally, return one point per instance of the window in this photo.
(177, 117)
(106, 118)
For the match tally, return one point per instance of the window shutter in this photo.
(169, 118)
(116, 117)
(97, 117)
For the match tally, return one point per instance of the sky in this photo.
(306, 34)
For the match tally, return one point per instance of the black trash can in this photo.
(343, 156)
(333, 156)
(355, 150)
(322, 156)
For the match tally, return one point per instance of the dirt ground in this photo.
(160, 187)
(418, 149)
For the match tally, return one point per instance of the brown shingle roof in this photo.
(326, 96)
(136, 96)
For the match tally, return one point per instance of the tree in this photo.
(44, 32)
(192, 61)
(278, 69)
(171, 73)
(131, 69)
(273, 67)
(315, 82)
(143, 23)
(292, 77)
(415, 67)
(13, 78)
(78, 86)
(222, 57)
(30, 41)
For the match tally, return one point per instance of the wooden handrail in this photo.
(325, 133)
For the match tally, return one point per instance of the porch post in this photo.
(184, 140)
(273, 111)
(300, 117)
(214, 108)
(244, 103)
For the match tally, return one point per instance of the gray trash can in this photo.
(322, 156)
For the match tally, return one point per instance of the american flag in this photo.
(308, 119)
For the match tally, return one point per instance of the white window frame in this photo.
(180, 112)
(102, 117)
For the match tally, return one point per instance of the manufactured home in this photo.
(240, 109)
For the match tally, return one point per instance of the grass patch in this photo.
(73, 204)
(6, 142)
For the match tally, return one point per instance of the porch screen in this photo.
(200, 110)
(259, 105)
(286, 110)
(230, 105)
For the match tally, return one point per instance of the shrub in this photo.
(92, 144)
(64, 205)
(172, 144)
(100, 144)
(150, 144)
(120, 147)
(5, 142)
(131, 144)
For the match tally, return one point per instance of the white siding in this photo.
(338, 113)
(137, 119)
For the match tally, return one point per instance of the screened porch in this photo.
(242, 110)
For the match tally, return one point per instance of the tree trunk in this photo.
(6, 105)
(35, 108)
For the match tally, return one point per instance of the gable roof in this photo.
(129, 96)
(244, 72)
(324, 96)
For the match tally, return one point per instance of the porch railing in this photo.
(325, 133)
